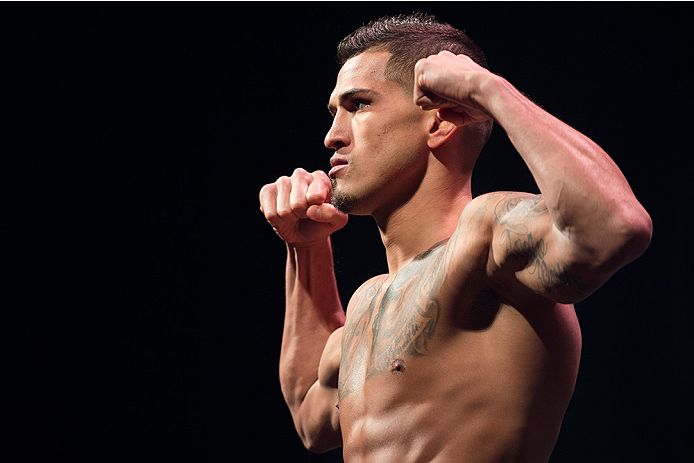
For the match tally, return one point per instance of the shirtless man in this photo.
(468, 349)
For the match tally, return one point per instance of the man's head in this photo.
(381, 138)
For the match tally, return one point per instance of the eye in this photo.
(360, 104)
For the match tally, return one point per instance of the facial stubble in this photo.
(343, 202)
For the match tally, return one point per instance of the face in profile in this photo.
(379, 136)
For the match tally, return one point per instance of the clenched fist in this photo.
(452, 84)
(299, 208)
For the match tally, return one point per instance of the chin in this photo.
(343, 200)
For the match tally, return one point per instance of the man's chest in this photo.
(389, 322)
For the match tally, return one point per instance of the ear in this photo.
(440, 131)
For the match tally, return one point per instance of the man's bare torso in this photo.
(438, 365)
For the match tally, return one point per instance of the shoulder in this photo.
(509, 222)
(472, 245)
(371, 285)
(365, 294)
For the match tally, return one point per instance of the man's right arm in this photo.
(299, 209)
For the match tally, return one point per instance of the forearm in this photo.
(588, 197)
(313, 312)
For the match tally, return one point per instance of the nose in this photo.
(339, 134)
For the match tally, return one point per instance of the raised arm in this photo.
(586, 224)
(298, 209)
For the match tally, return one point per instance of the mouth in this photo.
(337, 163)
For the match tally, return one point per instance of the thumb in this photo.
(327, 213)
(455, 115)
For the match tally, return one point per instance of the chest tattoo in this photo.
(390, 324)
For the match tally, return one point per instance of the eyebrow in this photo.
(349, 94)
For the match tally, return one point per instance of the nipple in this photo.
(398, 366)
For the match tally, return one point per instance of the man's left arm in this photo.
(587, 222)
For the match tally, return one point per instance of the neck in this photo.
(425, 218)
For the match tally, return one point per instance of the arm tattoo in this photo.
(512, 215)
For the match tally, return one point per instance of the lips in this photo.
(335, 169)
(337, 162)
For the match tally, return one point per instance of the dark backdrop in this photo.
(142, 289)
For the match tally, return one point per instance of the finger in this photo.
(418, 92)
(297, 197)
(284, 209)
(455, 115)
(327, 213)
(268, 205)
(422, 94)
(430, 101)
(268, 200)
(424, 101)
(320, 189)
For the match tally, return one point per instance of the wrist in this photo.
(492, 90)
(308, 244)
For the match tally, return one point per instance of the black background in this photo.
(143, 290)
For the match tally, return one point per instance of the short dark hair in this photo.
(408, 38)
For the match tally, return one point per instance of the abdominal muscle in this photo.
(484, 396)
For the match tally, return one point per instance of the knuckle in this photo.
(297, 205)
(284, 211)
(320, 175)
(271, 216)
(267, 196)
(299, 173)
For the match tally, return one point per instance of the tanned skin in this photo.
(468, 349)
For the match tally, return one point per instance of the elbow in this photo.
(629, 236)
(638, 230)
(317, 445)
(318, 438)
(314, 446)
